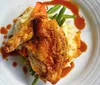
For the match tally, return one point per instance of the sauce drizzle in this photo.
(0, 49)
(14, 64)
(5, 55)
(3, 30)
(67, 70)
(8, 26)
(78, 21)
(25, 70)
(83, 47)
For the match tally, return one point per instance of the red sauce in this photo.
(78, 21)
(25, 70)
(67, 70)
(8, 26)
(83, 47)
(14, 64)
(5, 36)
(4, 30)
(14, 20)
(0, 50)
(5, 55)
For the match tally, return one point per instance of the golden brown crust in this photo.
(49, 46)
(25, 34)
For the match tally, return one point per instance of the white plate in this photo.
(86, 70)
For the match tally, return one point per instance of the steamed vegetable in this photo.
(64, 16)
(55, 16)
(35, 80)
(62, 21)
(32, 71)
(60, 17)
(61, 14)
(68, 16)
(54, 9)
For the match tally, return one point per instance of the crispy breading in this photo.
(24, 34)
(49, 46)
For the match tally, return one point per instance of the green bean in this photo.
(50, 17)
(55, 16)
(35, 80)
(32, 72)
(64, 16)
(62, 21)
(61, 14)
(68, 16)
(54, 9)
(30, 69)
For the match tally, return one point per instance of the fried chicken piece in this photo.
(48, 46)
(46, 49)
(39, 10)
(25, 34)
(24, 31)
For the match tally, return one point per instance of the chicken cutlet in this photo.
(49, 46)
(25, 34)
(24, 31)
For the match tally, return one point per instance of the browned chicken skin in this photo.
(46, 44)
(49, 46)
(23, 35)
(25, 32)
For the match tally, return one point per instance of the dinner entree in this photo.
(47, 43)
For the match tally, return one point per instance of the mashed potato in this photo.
(73, 38)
